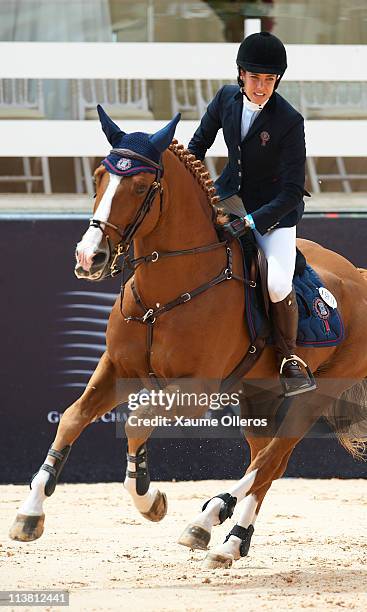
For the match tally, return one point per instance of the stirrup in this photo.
(307, 383)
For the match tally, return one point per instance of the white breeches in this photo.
(279, 246)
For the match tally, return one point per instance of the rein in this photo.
(133, 264)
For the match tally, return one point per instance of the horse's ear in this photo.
(163, 138)
(112, 131)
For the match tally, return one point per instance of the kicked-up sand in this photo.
(309, 550)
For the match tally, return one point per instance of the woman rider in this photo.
(263, 181)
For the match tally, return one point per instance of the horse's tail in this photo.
(348, 418)
(348, 415)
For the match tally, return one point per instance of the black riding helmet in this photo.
(262, 53)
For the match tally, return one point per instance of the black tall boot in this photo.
(295, 375)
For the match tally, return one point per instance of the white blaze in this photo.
(90, 242)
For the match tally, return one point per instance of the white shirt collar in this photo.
(252, 106)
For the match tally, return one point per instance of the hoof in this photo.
(216, 560)
(27, 528)
(158, 510)
(195, 537)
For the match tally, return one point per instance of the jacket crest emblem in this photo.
(265, 137)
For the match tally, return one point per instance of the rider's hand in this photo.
(235, 229)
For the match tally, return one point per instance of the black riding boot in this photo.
(295, 375)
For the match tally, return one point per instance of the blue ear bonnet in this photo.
(149, 146)
(139, 143)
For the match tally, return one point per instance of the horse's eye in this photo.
(140, 189)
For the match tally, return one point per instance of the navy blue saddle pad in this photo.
(319, 324)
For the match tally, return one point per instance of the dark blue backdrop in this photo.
(36, 280)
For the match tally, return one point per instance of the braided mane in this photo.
(198, 170)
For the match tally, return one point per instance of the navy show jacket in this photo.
(267, 170)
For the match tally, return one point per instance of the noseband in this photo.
(128, 234)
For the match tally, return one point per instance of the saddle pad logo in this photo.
(124, 163)
(328, 297)
(265, 137)
(320, 308)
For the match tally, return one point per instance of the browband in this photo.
(133, 155)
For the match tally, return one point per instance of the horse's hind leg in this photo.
(238, 541)
(99, 397)
(216, 510)
(269, 464)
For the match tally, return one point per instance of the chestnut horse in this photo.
(181, 317)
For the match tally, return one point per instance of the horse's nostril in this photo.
(99, 258)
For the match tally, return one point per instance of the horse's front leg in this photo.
(99, 397)
(150, 502)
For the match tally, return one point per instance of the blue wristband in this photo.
(249, 218)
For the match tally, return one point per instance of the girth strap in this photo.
(245, 365)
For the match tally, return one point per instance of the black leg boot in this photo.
(295, 375)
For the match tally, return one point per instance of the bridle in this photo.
(127, 235)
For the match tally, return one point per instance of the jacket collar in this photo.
(237, 107)
(262, 117)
